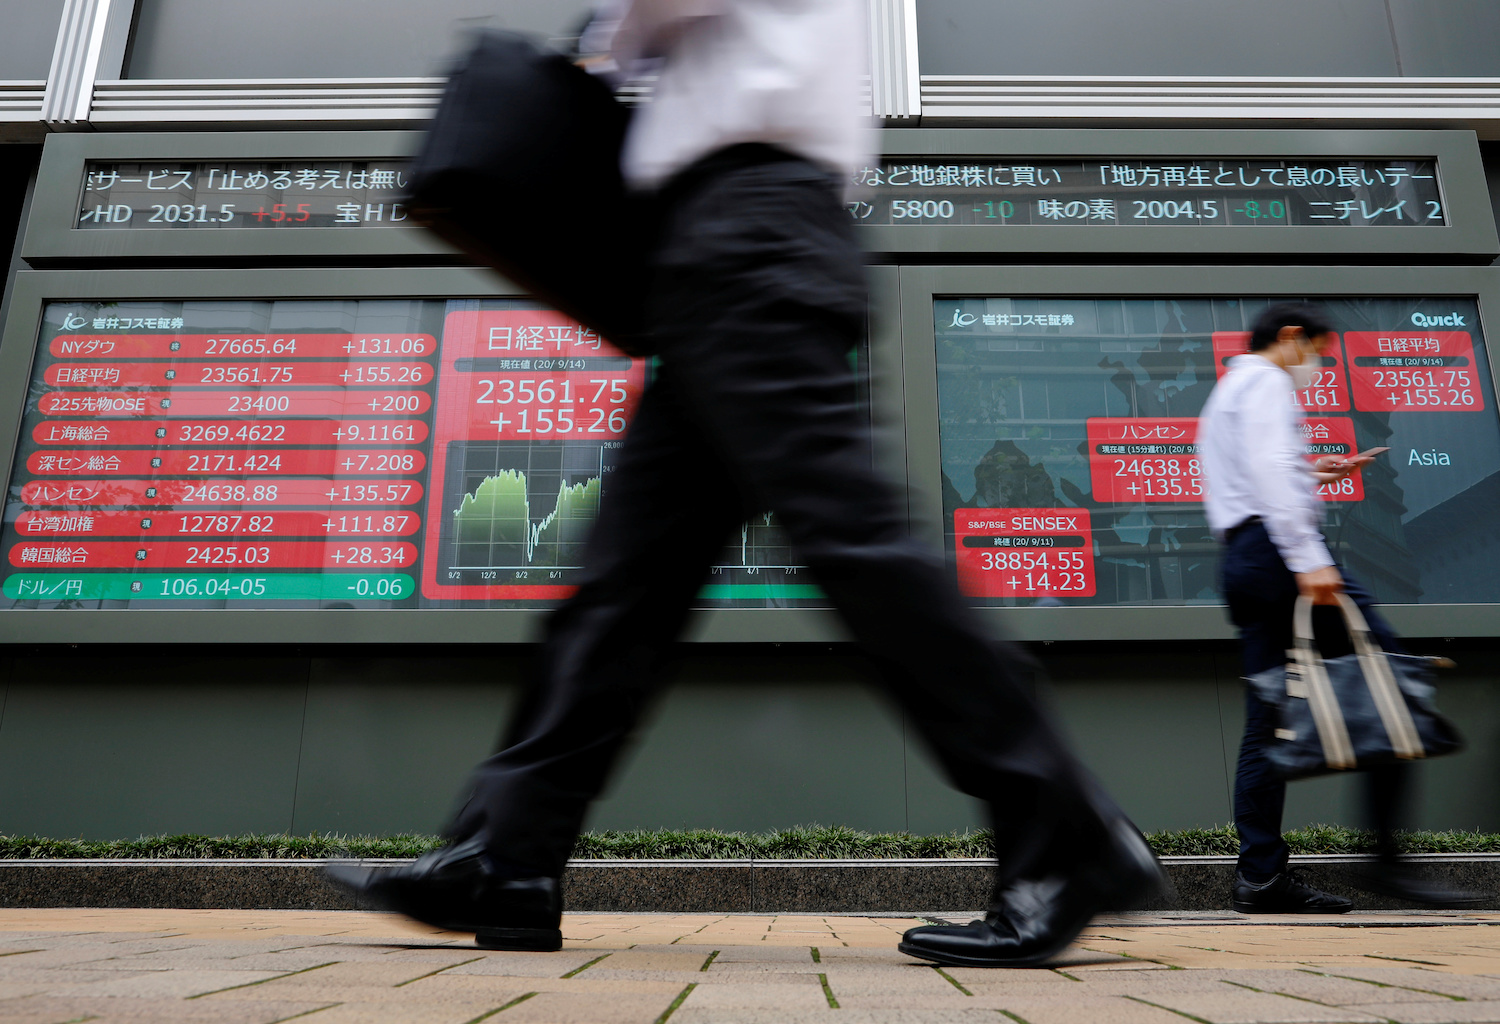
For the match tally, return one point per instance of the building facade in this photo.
(291, 485)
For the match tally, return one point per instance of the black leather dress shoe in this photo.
(1402, 882)
(1035, 920)
(457, 888)
(1285, 894)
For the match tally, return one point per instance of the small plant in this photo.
(803, 842)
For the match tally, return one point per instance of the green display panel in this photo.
(329, 453)
(1069, 467)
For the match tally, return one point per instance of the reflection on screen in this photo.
(1070, 472)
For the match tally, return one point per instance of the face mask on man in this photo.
(1304, 372)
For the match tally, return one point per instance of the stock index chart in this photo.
(328, 453)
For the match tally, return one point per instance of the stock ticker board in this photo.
(1113, 192)
(1262, 192)
(1070, 472)
(328, 453)
(170, 195)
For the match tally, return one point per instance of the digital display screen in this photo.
(246, 194)
(329, 453)
(1070, 470)
(1260, 192)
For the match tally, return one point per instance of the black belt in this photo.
(738, 157)
(1239, 528)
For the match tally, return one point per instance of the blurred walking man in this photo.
(1263, 505)
(757, 299)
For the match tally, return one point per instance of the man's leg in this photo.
(763, 358)
(668, 509)
(1261, 593)
(1259, 797)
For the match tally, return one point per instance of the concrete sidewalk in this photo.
(339, 967)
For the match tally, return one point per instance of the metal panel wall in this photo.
(26, 44)
(1158, 37)
(295, 39)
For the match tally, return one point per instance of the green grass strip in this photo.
(580, 970)
(805, 842)
(440, 970)
(951, 980)
(517, 1001)
(828, 992)
(262, 981)
(675, 1004)
(817, 957)
(710, 959)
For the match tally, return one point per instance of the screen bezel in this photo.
(34, 289)
(1470, 230)
(52, 234)
(920, 286)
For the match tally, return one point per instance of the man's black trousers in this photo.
(757, 301)
(1261, 593)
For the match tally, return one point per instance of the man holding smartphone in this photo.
(1263, 506)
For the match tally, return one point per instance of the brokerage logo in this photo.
(1451, 320)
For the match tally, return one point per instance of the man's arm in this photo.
(1282, 476)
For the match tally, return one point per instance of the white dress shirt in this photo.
(1253, 453)
(784, 72)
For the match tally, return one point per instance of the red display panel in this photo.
(248, 461)
(1134, 460)
(378, 522)
(236, 345)
(1329, 391)
(201, 432)
(533, 406)
(1156, 460)
(221, 491)
(1414, 371)
(1334, 435)
(178, 402)
(213, 554)
(238, 373)
(1024, 552)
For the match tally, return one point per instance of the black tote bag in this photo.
(521, 170)
(1363, 709)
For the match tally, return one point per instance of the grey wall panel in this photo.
(1463, 791)
(1490, 153)
(932, 805)
(118, 747)
(759, 743)
(1261, 38)
(324, 38)
(1148, 723)
(1447, 38)
(389, 741)
(123, 746)
(28, 30)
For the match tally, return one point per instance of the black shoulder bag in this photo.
(521, 171)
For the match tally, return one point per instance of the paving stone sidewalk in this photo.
(257, 967)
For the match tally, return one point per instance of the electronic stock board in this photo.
(1064, 473)
(241, 444)
(328, 453)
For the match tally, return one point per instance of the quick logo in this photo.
(1450, 320)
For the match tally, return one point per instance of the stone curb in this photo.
(671, 886)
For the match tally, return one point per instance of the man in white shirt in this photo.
(1263, 505)
(757, 298)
